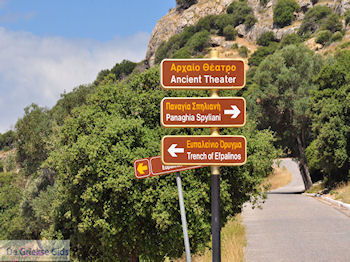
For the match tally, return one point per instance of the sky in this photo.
(50, 47)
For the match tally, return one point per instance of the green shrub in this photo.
(184, 4)
(283, 12)
(266, 38)
(198, 42)
(313, 19)
(332, 23)
(262, 52)
(224, 20)
(234, 46)
(337, 36)
(1, 167)
(230, 32)
(243, 51)
(290, 39)
(345, 45)
(347, 17)
(324, 37)
(250, 20)
(123, 69)
(182, 53)
(206, 23)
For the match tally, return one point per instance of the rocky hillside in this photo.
(177, 19)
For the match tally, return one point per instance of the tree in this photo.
(7, 140)
(283, 12)
(32, 130)
(330, 150)
(284, 83)
(266, 38)
(230, 32)
(109, 214)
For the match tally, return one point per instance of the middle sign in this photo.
(203, 112)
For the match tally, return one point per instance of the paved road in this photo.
(296, 228)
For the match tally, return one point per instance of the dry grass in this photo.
(279, 178)
(342, 193)
(233, 242)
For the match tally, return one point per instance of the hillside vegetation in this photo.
(73, 178)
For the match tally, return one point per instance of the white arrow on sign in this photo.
(234, 112)
(173, 150)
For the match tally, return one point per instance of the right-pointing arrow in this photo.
(234, 112)
(173, 150)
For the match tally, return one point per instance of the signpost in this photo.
(204, 150)
(153, 166)
(202, 74)
(203, 112)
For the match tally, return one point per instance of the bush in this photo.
(266, 38)
(250, 20)
(347, 17)
(206, 23)
(337, 36)
(313, 19)
(264, 2)
(323, 37)
(198, 42)
(123, 69)
(283, 13)
(290, 39)
(262, 52)
(230, 32)
(332, 23)
(243, 51)
(184, 4)
(234, 46)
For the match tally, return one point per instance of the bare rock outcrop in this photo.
(176, 20)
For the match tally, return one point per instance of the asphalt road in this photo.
(296, 228)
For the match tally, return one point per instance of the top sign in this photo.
(202, 74)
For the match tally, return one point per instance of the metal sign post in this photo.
(183, 217)
(215, 193)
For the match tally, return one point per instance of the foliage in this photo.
(337, 36)
(193, 39)
(69, 101)
(319, 17)
(243, 51)
(347, 17)
(184, 4)
(323, 37)
(259, 55)
(263, 2)
(283, 12)
(266, 38)
(230, 32)
(7, 140)
(290, 39)
(182, 45)
(99, 204)
(32, 131)
(330, 151)
(11, 224)
(284, 82)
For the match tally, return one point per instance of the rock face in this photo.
(176, 20)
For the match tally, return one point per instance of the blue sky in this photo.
(48, 47)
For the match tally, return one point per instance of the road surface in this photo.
(296, 228)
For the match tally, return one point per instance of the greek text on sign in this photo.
(202, 73)
(204, 150)
(203, 112)
(153, 166)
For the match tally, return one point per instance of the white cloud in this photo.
(38, 69)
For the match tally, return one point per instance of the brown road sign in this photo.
(202, 74)
(203, 112)
(153, 166)
(204, 150)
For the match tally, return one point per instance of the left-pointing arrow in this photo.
(173, 150)
(142, 168)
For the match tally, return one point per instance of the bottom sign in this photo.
(153, 166)
(204, 150)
